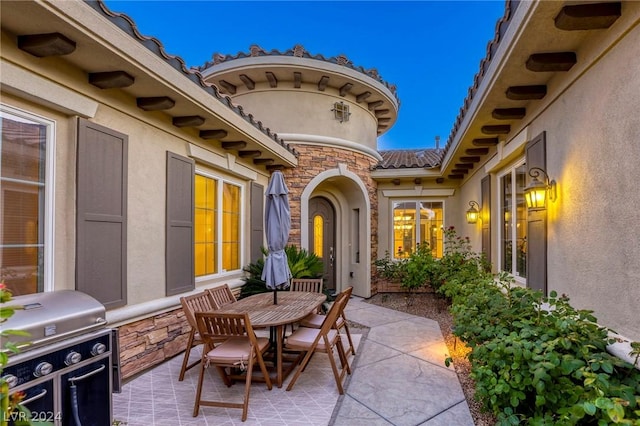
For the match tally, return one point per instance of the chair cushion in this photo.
(303, 337)
(234, 349)
(316, 320)
(313, 321)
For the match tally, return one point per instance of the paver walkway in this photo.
(399, 379)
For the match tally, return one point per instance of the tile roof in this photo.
(492, 47)
(410, 158)
(300, 52)
(125, 23)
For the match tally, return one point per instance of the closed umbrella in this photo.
(277, 223)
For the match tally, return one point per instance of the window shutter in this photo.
(101, 246)
(257, 221)
(485, 214)
(537, 221)
(180, 273)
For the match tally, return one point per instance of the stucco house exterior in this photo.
(136, 180)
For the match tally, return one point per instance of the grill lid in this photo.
(53, 316)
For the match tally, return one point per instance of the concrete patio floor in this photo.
(399, 378)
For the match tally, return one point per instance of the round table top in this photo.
(292, 307)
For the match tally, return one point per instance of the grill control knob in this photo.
(98, 349)
(11, 380)
(72, 357)
(42, 369)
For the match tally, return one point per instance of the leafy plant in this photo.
(418, 269)
(458, 262)
(539, 361)
(391, 269)
(301, 263)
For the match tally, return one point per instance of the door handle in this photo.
(331, 256)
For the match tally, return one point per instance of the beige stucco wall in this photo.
(592, 132)
(150, 137)
(593, 151)
(470, 191)
(307, 111)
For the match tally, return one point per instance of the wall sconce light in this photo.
(537, 192)
(473, 214)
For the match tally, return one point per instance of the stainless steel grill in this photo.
(54, 316)
(64, 371)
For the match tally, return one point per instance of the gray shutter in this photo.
(257, 221)
(485, 214)
(180, 273)
(537, 221)
(101, 235)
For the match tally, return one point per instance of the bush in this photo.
(418, 268)
(412, 272)
(301, 263)
(537, 360)
(458, 263)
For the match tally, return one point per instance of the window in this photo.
(26, 171)
(417, 222)
(341, 111)
(218, 219)
(318, 235)
(514, 221)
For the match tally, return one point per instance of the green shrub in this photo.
(390, 269)
(418, 268)
(458, 263)
(537, 360)
(301, 263)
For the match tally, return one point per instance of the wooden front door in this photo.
(322, 237)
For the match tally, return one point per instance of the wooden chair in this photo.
(200, 302)
(316, 320)
(240, 349)
(323, 339)
(222, 295)
(311, 285)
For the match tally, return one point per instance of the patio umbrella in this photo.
(277, 224)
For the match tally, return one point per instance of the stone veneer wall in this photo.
(148, 342)
(312, 161)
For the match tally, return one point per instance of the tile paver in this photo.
(399, 379)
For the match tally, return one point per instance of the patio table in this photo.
(292, 307)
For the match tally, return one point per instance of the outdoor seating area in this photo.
(411, 347)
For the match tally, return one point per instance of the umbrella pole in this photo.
(275, 296)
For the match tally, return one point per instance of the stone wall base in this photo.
(383, 286)
(151, 341)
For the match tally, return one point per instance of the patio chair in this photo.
(315, 321)
(323, 339)
(240, 349)
(222, 295)
(312, 285)
(200, 302)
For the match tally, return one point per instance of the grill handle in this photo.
(89, 374)
(34, 397)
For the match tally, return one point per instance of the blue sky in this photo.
(430, 50)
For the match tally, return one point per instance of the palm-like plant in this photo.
(301, 263)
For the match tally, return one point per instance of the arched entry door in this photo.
(322, 237)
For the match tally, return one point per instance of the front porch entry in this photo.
(336, 218)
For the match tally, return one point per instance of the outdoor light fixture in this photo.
(537, 192)
(473, 214)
